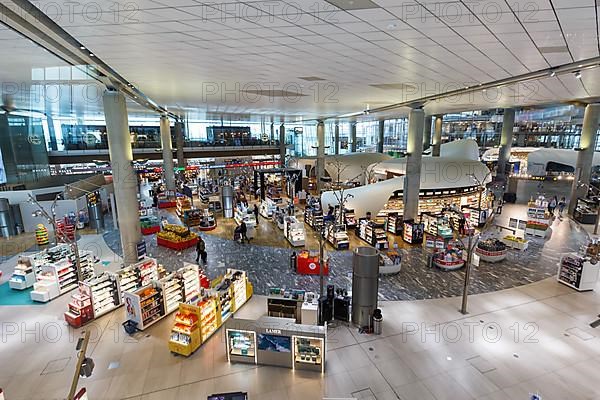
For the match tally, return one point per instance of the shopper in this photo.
(552, 204)
(561, 205)
(256, 213)
(201, 250)
(244, 232)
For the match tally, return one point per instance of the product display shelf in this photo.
(192, 217)
(176, 237)
(185, 334)
(246, 215)
(183, 204)
(373, 233)
(515, 242)
(137, 275)
(242, 344)
(314, 218)
(191, 283)
(308, 350)
(267, 208)
(394, 223)
(449, 260)
(307, 263)
(41, 235)
(577, 272)
(294, 231)
(207, 221)
(23, 276)
(349, 218)
(80, 310)
(105, 293)
(145, 306)
(172, 286)
(338, 237)
(412, 232)
(150, 224)
(86, 264)
(491, 250)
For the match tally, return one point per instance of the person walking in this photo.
(552, 204)
(244, 232)
(256, 213)
(201, 251)
(561, 206)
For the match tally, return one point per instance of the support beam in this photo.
(282, 149)
(124, 176)
(272, 139)
(381, 136)
(508, 122)
(436, 141)
(336, 138)
(353, 137)
(427, 132)
(320, 154)
(167, 152)
(412, 180)
(180, 142)
(585, 156)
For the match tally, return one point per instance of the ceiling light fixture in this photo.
(578, 74)
(82, 47)
(553, 73)
(91, 54)
(392, 26)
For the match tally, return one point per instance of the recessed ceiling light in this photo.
(553, 73)
(82, 47)
(392, 26)
(580, 66)
(578, 74)
(484, 90)
(91, 54)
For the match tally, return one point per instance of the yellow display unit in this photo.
(186, 333)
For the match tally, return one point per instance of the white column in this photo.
(412, 180)
(124, 176)
(508, 122)
(167, 152)
(585, 155)
(437, 136)
(320, 154)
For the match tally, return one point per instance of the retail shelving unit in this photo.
(373, 233)
(437, 225)
(538, 218)
(145, 306)
(349, 218)
(586, 211)
(183, 204)
(314, 218)
(196, 323)
(267, 208)
(412, 232)
(246, 215)
(338, 237)
(96, 296)
(491, 250)
(515, 242)
(24, 276)
(54, 280)
(577, 272)
(137, 275)
(394, 223)
(294, 231)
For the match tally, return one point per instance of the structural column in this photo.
(381, 136)
(427, 133)
(167, 152)
(320, 154)
(180, 142)
(508, 122)
(282, 149)
(436, 141)
(412, 180)
(272, 139)
(585, 156)
(353, 137)
(336, 138)
(124, 176)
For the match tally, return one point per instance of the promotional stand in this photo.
(491, 250)
(176, 237)
(293, 231)
(307, 263)
(149, 224)
(577, 272)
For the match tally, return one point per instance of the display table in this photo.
(310, 313)
(389, 263)
(309, 265)
(167, 203)
(448, 265)
(149, 225)
(577, 272)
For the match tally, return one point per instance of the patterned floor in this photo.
(269, 266)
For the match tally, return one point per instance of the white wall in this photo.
(63, 207)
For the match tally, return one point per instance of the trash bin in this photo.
(377, 320)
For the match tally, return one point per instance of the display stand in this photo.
(437, 225)
(167, 199)
(288, 345)
(307, 263)
(196, 323)
(412, 232)
(389, 263)
(294, 231)
(448, 264)
(577, 272)
(176, 237)
(193, 217)
(149, 224)
(24, 276)
(515, 242)
(394, 223)
(95, 297)
(338, 237)
(267, 208)
(137, 275)
(373, 233)
(477, 217)
(246, 215)
(41, 235)
(313, 217)
(491, 250)
(54, 280)
(183, 204)
(145, 306)
(586, 211)
(207, 221)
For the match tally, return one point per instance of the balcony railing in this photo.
(148, 144)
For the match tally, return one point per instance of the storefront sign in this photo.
(141, 250)
(275, 331)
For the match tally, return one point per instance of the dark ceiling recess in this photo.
(311, 78)
(274, 93)
(354, 4)
(553, 49)
(393, 86)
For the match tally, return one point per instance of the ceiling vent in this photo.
(553, 49)
(393, 86)
(311, 78)
(274, 93)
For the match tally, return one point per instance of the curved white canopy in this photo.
(436, 173)
(537, 161)
(352, 167)
(466, 149)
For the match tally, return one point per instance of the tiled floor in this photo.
(533, 339)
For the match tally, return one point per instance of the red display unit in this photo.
(309, 265)
(176, 245)
(151, 230)
(167, 204)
